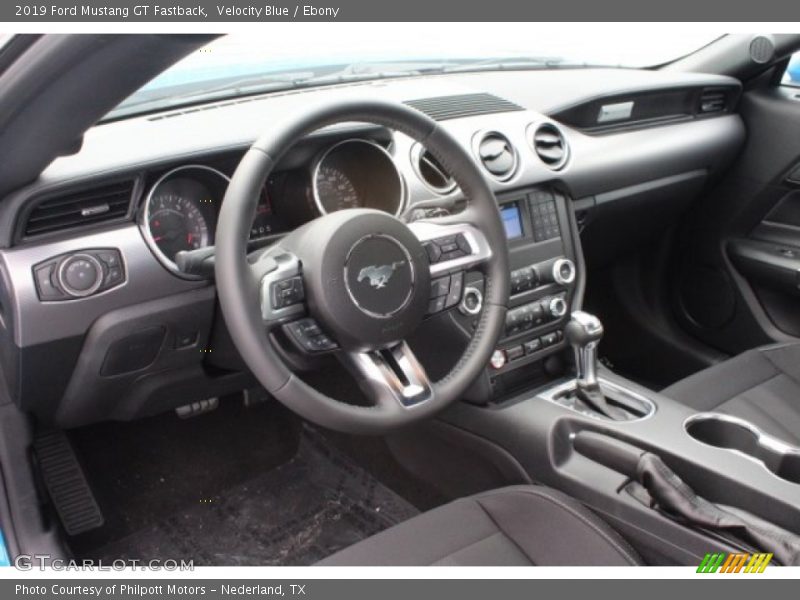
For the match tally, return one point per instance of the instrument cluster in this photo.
(181, 207)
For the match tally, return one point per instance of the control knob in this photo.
(80, 275)
(555, 307)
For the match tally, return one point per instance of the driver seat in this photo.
(513, 526)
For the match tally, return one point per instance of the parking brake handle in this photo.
(673, 496)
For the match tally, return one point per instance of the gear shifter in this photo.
(583, 332)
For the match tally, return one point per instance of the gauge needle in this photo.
(158, 239)
(189, 237)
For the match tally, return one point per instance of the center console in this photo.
(545, 284)
(546, 411)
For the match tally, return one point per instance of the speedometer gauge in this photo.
(335, 190)
(357, 173)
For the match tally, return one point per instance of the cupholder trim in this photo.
(764, 440)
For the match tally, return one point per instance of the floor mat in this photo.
(296, 514)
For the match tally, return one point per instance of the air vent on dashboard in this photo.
(442, 108)
(77, 209)
(550, 145)
(497, 155)
(431, 171)
(713, 101)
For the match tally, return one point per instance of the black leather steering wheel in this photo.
(357, 282)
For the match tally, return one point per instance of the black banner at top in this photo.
(215, 11)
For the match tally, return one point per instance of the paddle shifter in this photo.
(583, 333)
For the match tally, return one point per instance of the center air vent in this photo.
(550, 145)
(713, 101)
(497, 155)
(91, 206)
(431, 171)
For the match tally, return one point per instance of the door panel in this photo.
(737, 282)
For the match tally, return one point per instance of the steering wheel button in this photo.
(436, 305)
(434, 254)
(463, 244)
(456, 288)
(440, 287)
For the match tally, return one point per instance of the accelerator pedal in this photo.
(66, 483)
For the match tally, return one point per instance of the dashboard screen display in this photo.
(512, 221)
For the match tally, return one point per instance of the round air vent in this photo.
(550, 145)
(497, 155)
(431, 171)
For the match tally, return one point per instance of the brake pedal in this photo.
(66, 483)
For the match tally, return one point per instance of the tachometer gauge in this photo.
(180, 212)
(335, 190)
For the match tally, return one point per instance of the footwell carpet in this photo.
(295, 514)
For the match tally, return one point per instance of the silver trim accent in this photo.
(144, 218)
(530, 134)
(406, 300)
(619, 111)
(478, 139)
(481, 251)
(557, 307)
(80, 293)
(384, 151)
(418, 151)
(471, 290)
(609, 388)
(386, 384)
(764, 440)
(557, 277)
(288, 266)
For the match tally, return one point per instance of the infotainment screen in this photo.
(512, 220)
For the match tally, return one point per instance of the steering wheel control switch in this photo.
(308, 336)
(447, 248)
(446, 292)
(287, 292)
(78, 274)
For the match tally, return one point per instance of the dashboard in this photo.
(91, 291)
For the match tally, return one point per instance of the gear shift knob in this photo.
(584, 332)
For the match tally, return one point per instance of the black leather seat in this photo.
(522, 525)
(761, 386)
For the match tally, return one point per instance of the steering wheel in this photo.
(357, 282)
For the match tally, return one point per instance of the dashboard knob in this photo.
(557, 307)
(80, 275)
(564, 271)
(472, 303)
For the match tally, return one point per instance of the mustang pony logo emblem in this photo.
(379, 276)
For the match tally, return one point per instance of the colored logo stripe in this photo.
(735, 562)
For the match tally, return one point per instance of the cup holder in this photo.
(732, 433)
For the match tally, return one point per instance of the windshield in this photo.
(297, 55)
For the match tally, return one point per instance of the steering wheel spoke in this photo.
(392, 376)
(281, 291)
